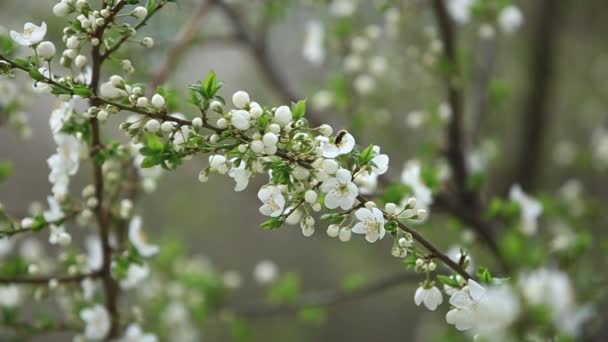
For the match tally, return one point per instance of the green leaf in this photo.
(353, 281)
(286, 289)
(484, 275)
(313, 314)
(6, 169)
(366, 155)
(298, 109)
(36, 75)
(150, 161)
(153, 143)
(82, 91)
(449, 281)
(395, 192)
(272, 223)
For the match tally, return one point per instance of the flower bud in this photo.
(102, 115)
(326, 130)
(197, 123)
(344, 234)
(46, 50)
(80, 61)
(148, 42)
(27, 222)
(72, 43)
(390, 208)
(240, 99)
(167, 126)
(139, 12)
(310, 196)
(158, 101)
(61, 9)
(142, 102)
(152, 126)
(333, 230)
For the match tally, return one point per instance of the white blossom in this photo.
(139, 12)
(510, 19)
(273, 201)
(61, 115)
(344, 146)
(340, 190)
(94, 252)
(465, 303)
(313, 49)
(460, 10)
(240, 99)
(379, 162)
(282, 116)
(10, 296)
(31, 35)
(65, 162)
(364, 84)
(240, 175)
(139, 239)
(158, 101)
(431, 297)
(97, 322)
(342, 8)
(135, 275)
(134, 333)
(61, 9)
(8, 92)
(110, 91)
(240, 119)
(46, 50)
(530, 209)
(371, 224)
(552, 289)
(217, 163)
(265, 272)
(411, 176)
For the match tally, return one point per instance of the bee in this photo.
(341, 134)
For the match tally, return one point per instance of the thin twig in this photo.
(328, 298)
(259, 51)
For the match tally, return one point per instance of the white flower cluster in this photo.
(509, 19)
(489, 312)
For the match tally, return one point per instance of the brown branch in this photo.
(122, 40)
(109, 284)
(464, 203)
(483, 75)
(183, 40)
(536, 109)
(455, 133)
(328, 298)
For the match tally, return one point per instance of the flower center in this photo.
(343, 190)
(143, 237)
(372, 226)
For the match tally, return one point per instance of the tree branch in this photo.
(183, 40)
(456, 146)
(259, 51)
(328, 298)
(536, 109)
